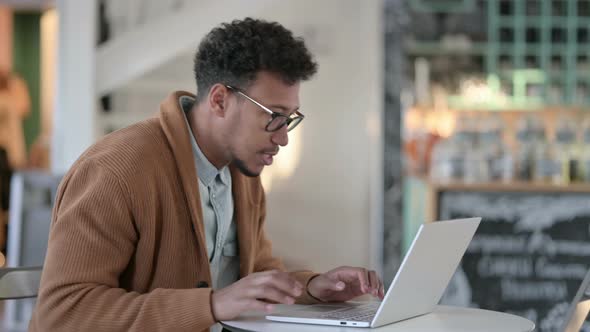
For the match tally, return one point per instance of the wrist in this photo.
(212, 305)
(309, 292)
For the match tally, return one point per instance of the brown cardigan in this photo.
(127, 247)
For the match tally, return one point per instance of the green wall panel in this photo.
(27, 52)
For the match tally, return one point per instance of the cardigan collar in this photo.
(177, 133)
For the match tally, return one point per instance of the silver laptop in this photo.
(416, 289)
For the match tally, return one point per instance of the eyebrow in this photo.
(255, 101)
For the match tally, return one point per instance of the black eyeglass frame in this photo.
(290, 122)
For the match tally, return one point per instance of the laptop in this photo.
(416, 289)
(579, 309)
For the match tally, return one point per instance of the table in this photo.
(443, 319)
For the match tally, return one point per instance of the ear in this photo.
(218, 99)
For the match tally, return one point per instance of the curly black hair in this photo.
(233, 53)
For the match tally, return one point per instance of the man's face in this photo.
(251, 146)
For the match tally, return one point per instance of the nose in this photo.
(280, 137)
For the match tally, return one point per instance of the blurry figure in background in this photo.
(40, 152)
(14, 107)
(160, 226)
(104, 34)
(5, 175)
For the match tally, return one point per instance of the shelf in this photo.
(511, 187)
(441, 48)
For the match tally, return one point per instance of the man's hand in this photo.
(344, 284)
(255, 292)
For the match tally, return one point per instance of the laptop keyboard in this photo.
(361, 314)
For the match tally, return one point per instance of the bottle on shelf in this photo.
(524, 154)
(441, 161)
(474, 163)
(447, 160)
(567, 168)
(499, 161)
(584, 151)
(545, 165)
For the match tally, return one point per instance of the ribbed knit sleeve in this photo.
(92, 240)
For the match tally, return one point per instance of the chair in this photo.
(32, 195)
(19, 282)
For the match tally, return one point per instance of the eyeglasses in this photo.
(277, 120)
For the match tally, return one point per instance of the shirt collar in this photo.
(206, 171)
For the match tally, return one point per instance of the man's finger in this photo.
(374, 282)
(260, 306)
(363, 280)
(272, 294)
(283, 282)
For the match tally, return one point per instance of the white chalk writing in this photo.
(513, 290)
(554, 270)
(528, 212)
(504, 267)
(497, 244)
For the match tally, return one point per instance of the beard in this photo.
(241, 165)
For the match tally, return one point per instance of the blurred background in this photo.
(422, 110)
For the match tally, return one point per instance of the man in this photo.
(159, 226)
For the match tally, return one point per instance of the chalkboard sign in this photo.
(528, 256)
